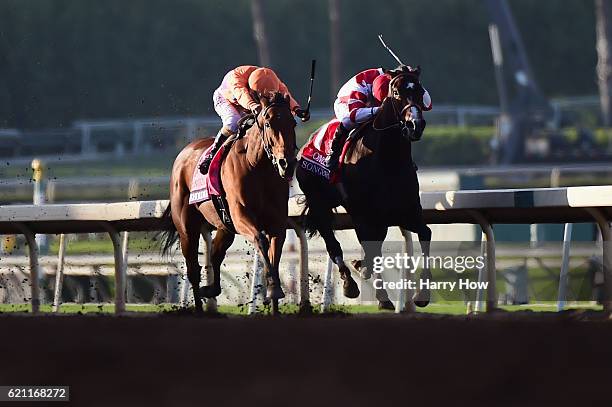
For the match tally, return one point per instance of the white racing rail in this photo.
(547, 205)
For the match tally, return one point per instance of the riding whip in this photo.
(380, 37)
(312, 76)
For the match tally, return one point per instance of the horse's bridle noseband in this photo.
(405, 126)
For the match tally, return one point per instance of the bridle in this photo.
(262, 132)
(405, 126)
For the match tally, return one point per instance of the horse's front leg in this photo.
(371, 237)
(247, 226)
(322, 218)
(274, 291)
(274, 288)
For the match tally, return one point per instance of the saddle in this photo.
(210, 187)
(318, 146)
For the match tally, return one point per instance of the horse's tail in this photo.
(167, 237)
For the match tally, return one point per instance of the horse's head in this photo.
(407, 93)
(277, 127)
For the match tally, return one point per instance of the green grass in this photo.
(450, 308)
(137, 243)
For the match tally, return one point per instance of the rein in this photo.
(402, 124)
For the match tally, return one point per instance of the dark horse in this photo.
(255, 176)
(379, 185)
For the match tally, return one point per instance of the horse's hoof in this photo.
(422, 298)
(349, 286)
(210, 291)
(351, 290)
(386, 305)
(275, 310)
(198, 310)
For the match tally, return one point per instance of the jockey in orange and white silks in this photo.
(236, 97)
(358, 101)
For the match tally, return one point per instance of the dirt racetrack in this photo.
(167, 360)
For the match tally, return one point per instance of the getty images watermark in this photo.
(523, 270)
(403, 261)
(456, 271)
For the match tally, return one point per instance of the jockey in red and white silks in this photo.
(358, 101)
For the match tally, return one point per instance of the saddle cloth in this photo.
(203, 187)
(317, 148)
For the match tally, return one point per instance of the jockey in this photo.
(237, 96)
(358, 101)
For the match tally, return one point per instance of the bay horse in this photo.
(255, 176)
(379, 186)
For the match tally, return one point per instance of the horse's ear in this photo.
(264, 101)
(386, 114)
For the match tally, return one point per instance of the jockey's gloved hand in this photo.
(256, 110)
(302, 114)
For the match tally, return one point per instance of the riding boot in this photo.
(332, 159)
(219, 140)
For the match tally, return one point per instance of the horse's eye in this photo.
(267, 124)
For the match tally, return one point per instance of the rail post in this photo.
(481, 273)
(491, 276)
(606, 237)
(59, 274)
(290, 243)
(256, 282)
(303, 284)
(38, 198)
(120, 267)
(328, 286)
(563, 275)
(404, 301)
(34, 267)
